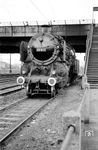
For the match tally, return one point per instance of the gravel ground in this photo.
(10, 98)
(45, 131)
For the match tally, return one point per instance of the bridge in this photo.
(74, 32)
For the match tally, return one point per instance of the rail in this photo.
(7, 71)
(72, 123)
(88, 47)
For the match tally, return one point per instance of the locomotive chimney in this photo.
(46, 28)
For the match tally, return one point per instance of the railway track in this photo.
(14, 116)
(9, 89)
(8, 106)
(8, 78)
(5, 86)
(8, 84)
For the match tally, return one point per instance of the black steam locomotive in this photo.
(48, 63)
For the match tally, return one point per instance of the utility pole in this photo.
(10, 65)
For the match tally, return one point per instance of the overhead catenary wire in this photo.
(37, 8)
(52, 9)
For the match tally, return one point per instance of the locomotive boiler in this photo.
(48, 63)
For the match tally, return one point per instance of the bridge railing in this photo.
(30, 28)
(72, 123)
(51, 22)
(88, 47)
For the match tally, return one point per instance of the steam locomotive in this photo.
(48, 64)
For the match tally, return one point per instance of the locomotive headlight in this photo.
(51, 81)
(20, 80)
(24, 72)
(58, 47)
(53, 72)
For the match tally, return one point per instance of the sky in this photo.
(15, 58)
(28, 10)
(39, 10)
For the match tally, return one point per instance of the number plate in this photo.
(41, 50)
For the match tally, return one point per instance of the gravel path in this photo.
(44, 132)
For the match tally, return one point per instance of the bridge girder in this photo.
(10, 37)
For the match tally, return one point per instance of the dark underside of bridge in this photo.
(12, 44)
